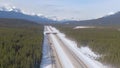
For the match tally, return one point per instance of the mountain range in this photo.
(113, 19)
(17, 14)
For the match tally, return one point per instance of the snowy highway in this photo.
(61, 53)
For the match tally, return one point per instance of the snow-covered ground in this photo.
(84, 53)
(88, 52)
(46, 58)
(82, 27)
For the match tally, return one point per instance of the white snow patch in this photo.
(82, 27)
(88, 52)
(46, 58)
(111, 13)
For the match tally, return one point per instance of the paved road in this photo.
(63, 56)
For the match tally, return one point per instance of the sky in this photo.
(66, 9)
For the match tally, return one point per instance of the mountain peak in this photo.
(10, 8)
(13, 12)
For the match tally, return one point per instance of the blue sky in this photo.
(66, 9)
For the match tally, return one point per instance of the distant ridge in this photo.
(4, 22)
(113, 19)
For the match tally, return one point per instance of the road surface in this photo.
(61, 53)
(62, 56)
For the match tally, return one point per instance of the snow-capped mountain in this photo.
(19, 14)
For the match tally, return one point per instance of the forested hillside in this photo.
(20, 44)
(6, 22)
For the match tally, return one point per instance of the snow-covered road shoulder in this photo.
(46, 61)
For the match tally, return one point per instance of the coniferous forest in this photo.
(20, 47)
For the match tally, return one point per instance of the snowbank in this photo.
(83, 53)
(88, 52)
(46, 58)
(82, 27)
